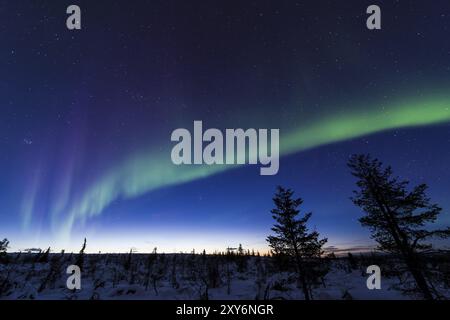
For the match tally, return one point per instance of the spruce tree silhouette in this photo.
(293, 239)
(396, 216)
(80, 257)
(3, 248)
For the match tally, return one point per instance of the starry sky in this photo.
(86, 116)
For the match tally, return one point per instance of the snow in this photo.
(180, 277)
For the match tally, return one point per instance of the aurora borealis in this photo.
(87, 116)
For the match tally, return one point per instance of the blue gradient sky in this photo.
(87, 116)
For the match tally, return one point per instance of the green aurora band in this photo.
(146, 172)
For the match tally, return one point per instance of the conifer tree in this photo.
(396, 217)
(293, 239)
(3, 247)
(80, 257)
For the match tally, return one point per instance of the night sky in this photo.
(86, 116)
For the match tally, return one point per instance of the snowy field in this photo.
(197, 276)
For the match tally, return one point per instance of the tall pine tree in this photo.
(293, 239)
(396, 217)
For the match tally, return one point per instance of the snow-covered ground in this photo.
(183, 276)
